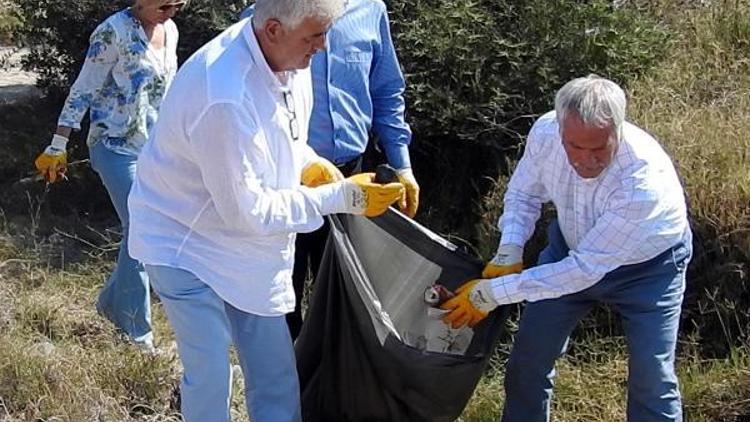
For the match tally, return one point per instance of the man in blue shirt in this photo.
(358, 87)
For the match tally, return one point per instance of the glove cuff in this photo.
(406, 173)
(340, 197)
(59, 142)
(482, 298)
(507, 254)
(354, 197)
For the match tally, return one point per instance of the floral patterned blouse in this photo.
(122, 83)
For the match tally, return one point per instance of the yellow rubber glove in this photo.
(507, 260)
(369, 198)
(53, 162)
(320, 172)
(411, 200)
(473, 302)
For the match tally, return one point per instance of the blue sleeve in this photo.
(247, 12)
(387, 93)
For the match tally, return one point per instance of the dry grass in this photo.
(61, 361)
(698, 104)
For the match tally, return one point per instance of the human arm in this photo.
(522, 205)
(631, 217)
(387, 93)
(100, 57)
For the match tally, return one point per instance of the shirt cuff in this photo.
(69, 123)
(398, 155)
(506, 289)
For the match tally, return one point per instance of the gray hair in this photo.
(293, 12)
(598, 102)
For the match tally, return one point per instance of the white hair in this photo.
(293, 12)
(599, 102)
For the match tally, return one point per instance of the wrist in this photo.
(59, 142)
(340, 197)
(406, 173)
(354, 198)
(482, 296)
(508, 254)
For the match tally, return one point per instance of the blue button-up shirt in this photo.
(357, 87)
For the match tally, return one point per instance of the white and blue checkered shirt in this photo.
(629, 214)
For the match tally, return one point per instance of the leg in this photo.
(542, 337)
(650, 309)
(200, 325)
(267, 357)
(124, 299)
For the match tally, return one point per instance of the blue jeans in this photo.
(205, 326)
(124, 299)
(648, 297)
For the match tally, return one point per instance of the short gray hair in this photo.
(598, 102)
(293, 12)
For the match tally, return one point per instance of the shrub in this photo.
(478, 71)
(10, 21)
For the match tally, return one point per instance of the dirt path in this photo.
(15, 84)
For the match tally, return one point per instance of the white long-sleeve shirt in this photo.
(217, 189)
(629, 214)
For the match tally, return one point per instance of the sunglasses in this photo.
(293, 125)
(167, 7)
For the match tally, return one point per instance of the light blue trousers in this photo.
(648, 297)
(124, 299)
(205, 326)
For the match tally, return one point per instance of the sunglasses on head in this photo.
(170, 6)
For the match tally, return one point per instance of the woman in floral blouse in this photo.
(129, 65)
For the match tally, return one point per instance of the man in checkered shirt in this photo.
(621, 237)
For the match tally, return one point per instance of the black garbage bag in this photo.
(371, 348)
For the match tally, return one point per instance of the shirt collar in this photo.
(137, 27)
(260, 60)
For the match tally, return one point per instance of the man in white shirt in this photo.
(217, 202)
(621, 237)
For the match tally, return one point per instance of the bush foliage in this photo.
(478, 71)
